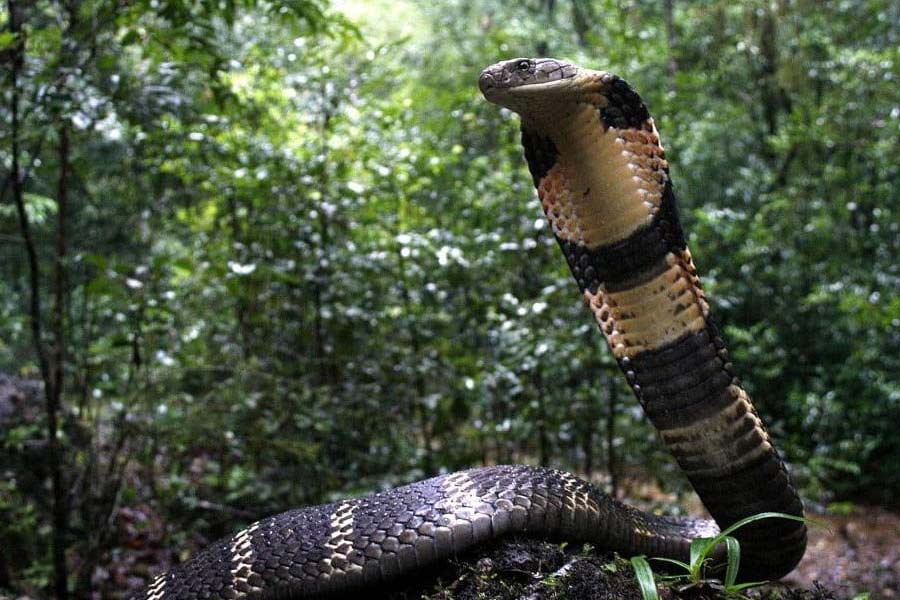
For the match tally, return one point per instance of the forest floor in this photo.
(858, 552)
(853, 553)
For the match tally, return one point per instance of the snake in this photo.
(602, 178)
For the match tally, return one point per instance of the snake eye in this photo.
(523, 65)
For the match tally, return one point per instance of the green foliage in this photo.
(644, 575)
(701, 550)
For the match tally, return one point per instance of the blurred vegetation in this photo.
(285, 253)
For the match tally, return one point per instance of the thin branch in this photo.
(51, 392)
(26, 172)
(534, 591)
(34, 277)
(57, 373)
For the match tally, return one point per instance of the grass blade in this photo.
(759, 517)
(644, 575)
(699, 549)
(683, 565)
(744, 586)
(710, 543)
(733, 548)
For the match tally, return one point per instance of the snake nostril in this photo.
(486, 81)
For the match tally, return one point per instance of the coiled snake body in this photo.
(602, 178)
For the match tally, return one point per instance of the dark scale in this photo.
(685, 380)
(725, 491)
(634, 260)
(667, 218)
(540, 153)
(679, 366)
(625, 109)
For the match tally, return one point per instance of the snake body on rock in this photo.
(603, 181)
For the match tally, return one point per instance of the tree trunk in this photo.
(773, 100)
(671, 41)
(327, 372)
(52, 377)
(415, 342)
(611, 462)
(582, 21)
(417, 404)
(5, 578)
(54, 393)
(587, 440)
(543, 440)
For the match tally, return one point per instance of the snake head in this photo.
(547, 92)
(514, 82)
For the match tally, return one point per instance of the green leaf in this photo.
(681, 564)
(700, 548)
(7, 39)
(744, 586)
(644, 575)
(734, 560)
(759, 517)
(103, 286)
(131, 37)
(37, 207)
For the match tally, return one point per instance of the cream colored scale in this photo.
(697, 442)
(650, 315)
(607, 183)
(601, 205)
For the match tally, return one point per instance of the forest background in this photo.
(259, 255)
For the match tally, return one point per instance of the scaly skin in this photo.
(602, 178)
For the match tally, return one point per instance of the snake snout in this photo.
(486, 81)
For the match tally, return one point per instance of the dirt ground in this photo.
(859, 552)
(855, 552)
(527, 569)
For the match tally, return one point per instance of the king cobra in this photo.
(602, 178)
